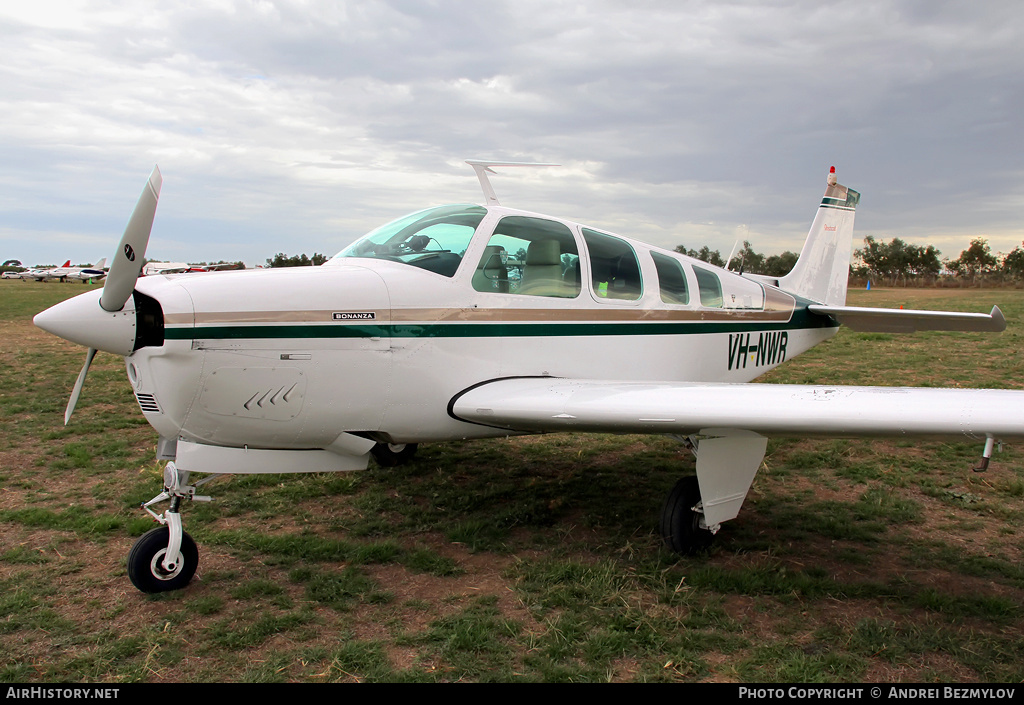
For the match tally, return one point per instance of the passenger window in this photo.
(710, 287)
(615, 271)
(671, 279)
(530, 256)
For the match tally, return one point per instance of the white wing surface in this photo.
(547, 404)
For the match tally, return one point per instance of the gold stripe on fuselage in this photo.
(779, 307)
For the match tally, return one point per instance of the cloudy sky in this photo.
(295, 126)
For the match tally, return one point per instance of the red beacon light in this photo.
(832, 176)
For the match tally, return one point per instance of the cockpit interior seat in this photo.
(542, 273)
(492, 274)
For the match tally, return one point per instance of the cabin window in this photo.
(709, 286)
(434, 239)
(671, 279)
(529, 256)
(615, 270)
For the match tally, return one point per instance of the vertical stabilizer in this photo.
(821, 272)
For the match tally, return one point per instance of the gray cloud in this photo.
(298, 125)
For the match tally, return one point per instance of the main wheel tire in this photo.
(145, 560)
(389, 455)
(680, 525)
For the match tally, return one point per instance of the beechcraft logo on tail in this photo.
(766, 349)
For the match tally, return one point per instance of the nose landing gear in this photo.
(166, 557)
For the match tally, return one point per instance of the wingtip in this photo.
(998, 320)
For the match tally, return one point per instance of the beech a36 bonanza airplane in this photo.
(470, 321)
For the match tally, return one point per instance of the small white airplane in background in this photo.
(151, 269)
(37, 273)
(64, 272)
(87, 274)
(476, 321)
(58, 272)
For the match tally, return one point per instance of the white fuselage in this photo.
(290, 358)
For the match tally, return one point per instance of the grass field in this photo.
(518, 559)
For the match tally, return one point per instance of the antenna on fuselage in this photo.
(483, 168)
(731, 254)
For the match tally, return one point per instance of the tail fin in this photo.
(821, 272)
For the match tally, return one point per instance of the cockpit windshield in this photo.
(434, 239)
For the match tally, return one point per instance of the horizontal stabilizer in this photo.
(889, 320)
(482, 167)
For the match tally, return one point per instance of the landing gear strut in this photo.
(166, 558)
(986, 454)
(682, 519)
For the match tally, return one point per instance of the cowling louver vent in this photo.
(147, 402)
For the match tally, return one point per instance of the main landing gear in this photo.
(727, 461)
(166, 558)
(682, 519)
(391, 455)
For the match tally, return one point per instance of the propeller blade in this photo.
(127, 261)
(77, 391)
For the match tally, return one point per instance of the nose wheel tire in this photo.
(390, 455)
(680, 523)
(146, 567)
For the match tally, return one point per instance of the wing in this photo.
(735, 418)
(548, 404)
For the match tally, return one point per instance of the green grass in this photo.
(528, 559)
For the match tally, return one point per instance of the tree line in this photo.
(898, 263)
(283, 260)
(746, 260)
(893, 263)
